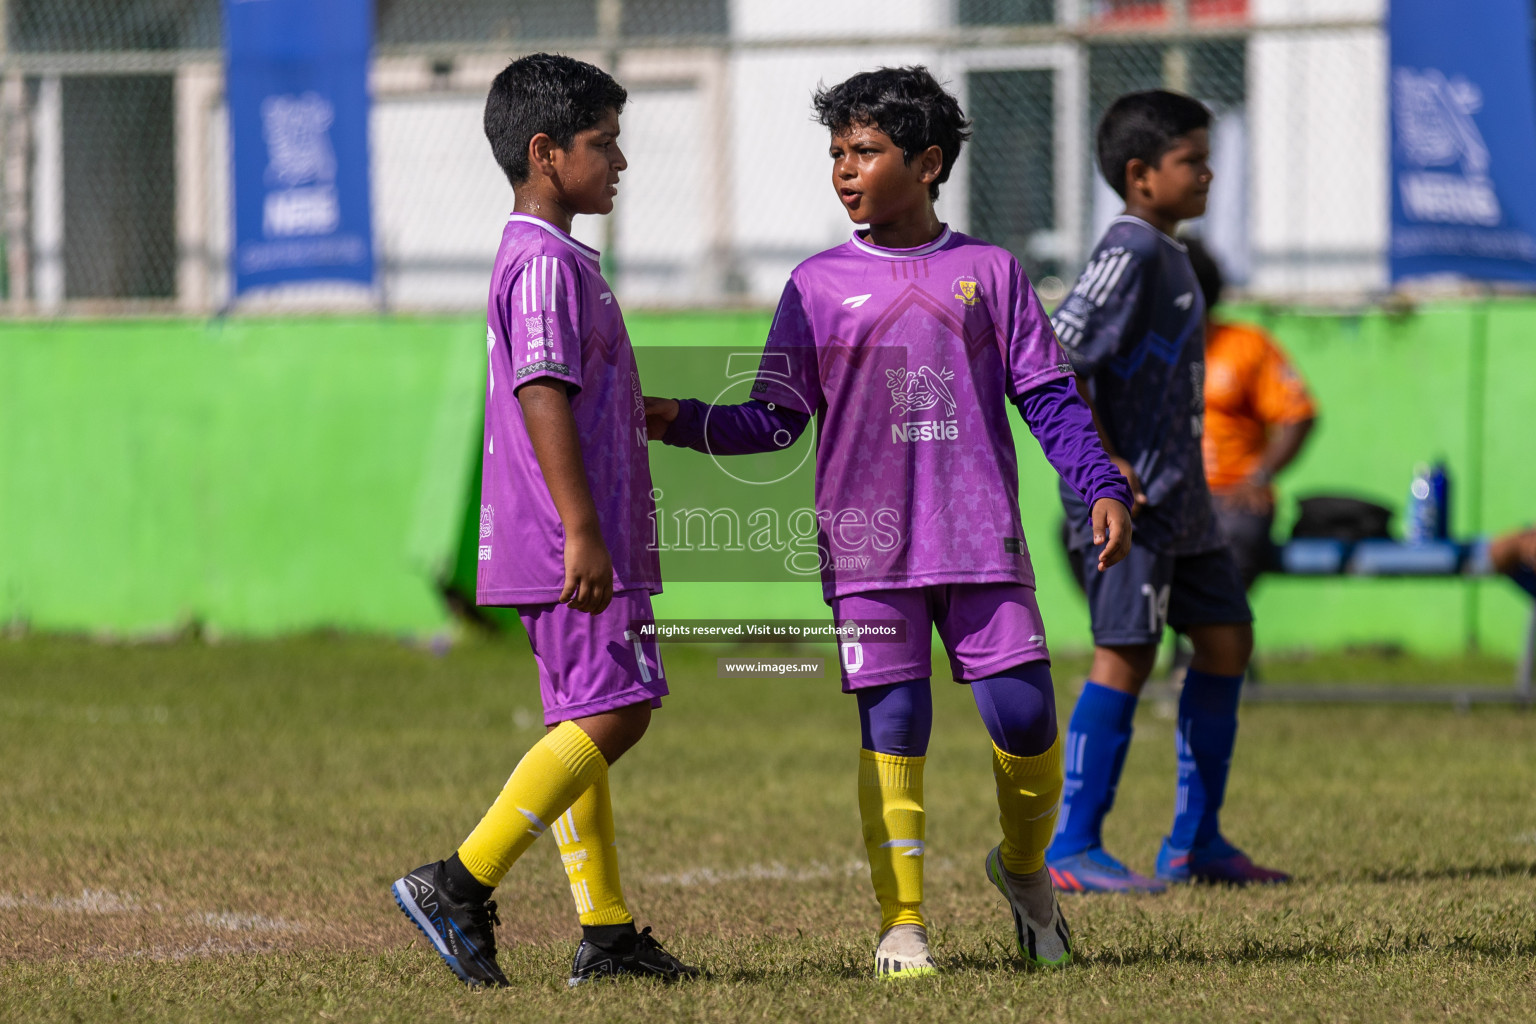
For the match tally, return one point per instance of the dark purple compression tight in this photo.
(1018, 707)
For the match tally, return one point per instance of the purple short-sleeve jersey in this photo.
(551, 316)
(908, 358)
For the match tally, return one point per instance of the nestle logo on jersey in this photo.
(534, 324)
(925, 430)
(918, 391)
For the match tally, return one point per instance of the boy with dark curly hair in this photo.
(907, 343)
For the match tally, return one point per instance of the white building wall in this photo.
(1317, 102)
(1292, 12)
(784, 204)
(729, 181)
(801, 19)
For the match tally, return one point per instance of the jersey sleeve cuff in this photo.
(780, 394)
(688, 429)
(1116, 488)
(546, 369)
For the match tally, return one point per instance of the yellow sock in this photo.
(1028, 797)
(891, 807)
(555, 771)
(591, 857)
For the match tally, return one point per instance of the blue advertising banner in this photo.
(296, 80)
(1463, 140)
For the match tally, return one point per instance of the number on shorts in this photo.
(853, 656)
(1157, 606)
(645, 670)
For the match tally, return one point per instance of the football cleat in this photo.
(1217, 863)
(638, 955)
(903, 953)
(1041, 943)
(463, 934)
(1094, 870)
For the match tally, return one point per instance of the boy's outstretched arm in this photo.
(1064, 425)
(787, 384)
(552, 429)
(753, 426)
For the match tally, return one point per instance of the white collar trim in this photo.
(904, 254)
(581, 250)
(1130, 219)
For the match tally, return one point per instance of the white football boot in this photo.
(1041, 943)
(903, 953)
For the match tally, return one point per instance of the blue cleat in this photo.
(1094, 870)
(1216, 863)
(463, 934)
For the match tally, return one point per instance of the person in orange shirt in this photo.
(1258, 414)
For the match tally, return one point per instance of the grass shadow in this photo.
(1508, 869)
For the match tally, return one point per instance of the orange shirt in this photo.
(1249, 388)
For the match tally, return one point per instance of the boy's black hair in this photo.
(1145, 125)
(547, 93)
(1207, 272)
(908, 104)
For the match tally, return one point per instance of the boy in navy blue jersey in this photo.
(1132, 328)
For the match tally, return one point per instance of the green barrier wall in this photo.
(258, 476)
(245, 477)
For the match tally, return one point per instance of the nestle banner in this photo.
(296, 80)
(1463, 140)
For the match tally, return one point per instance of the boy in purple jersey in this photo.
(565, 501)
(907, 343)
(1133, 327)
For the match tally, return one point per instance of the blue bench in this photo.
(1317, 557)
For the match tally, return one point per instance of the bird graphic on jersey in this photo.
(920, 391)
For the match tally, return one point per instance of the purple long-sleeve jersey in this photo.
(908, 359)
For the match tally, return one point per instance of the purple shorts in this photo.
(589, 664)
(986, 628)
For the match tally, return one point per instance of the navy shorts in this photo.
(1131, 601)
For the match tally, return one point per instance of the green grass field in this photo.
(208, 832)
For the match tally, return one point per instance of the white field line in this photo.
(100, 901)
(226, 921)
(208, 947)
(90, 901)
(773, 871)
(776, 871)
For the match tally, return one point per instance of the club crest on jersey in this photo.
(967, 290)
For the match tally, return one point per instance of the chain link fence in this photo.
(114, 148)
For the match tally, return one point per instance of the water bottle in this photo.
(1440, 496)
(1421, 527)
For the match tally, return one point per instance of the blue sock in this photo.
(1207, 731)
(1098, 736)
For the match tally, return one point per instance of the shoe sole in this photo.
(1067, 881)
(1197, 876)
(656, 976)
(409, 908)
(906, 974)
(1236, 883)
(994, 875)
